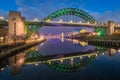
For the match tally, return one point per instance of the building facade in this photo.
(16, 25)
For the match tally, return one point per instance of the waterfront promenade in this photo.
(10, 49)
(111, 41)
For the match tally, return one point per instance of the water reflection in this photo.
(66, 62)
(83, 59)
(57, 46)
(72, 64)
(16, 63)
(111, 52)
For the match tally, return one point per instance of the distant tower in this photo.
(110, 29)
(111, 52)
(16, 63)
(62, 35)
(16, 25)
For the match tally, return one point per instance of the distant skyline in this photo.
(101, 10)
(59, 29)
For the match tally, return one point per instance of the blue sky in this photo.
(101, 10)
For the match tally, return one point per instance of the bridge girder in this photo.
(3, 23)
(66, 11)
(71, 11)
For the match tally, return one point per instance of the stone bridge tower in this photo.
(16, 25)
(110, 29)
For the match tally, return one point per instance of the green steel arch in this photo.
(71, 11)
(32, 56)
(76, 67)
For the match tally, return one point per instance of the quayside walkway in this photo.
(10, 49)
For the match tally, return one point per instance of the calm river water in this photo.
(63, 59)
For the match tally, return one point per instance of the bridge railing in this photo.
(117, 26)
(79, 23)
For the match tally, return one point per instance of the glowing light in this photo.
(61, 60)
(96, 34)
(41, 37)
(62, 39)
(71, 21)
(100, 32)
(102, 24)
(2, 69)
(96, 55)
(36, 64)
(83, 31)
(36, 36)
(119, 50)
(88, 22)
(62, 34)
(103, 53)
(21, 61)
(36, 49)
(1, 17)
(80, 22)
(71, 59)
(48, 20)
(1, 38)
(49, 62)
(36, 20)
(60, 20)
(83, 43)
(7, 20)
(89, 56)
(80, 57)
(75, 41)
(95, 22)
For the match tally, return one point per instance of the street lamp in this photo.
(36, 20)
(88, 22)
(80, 22)
(48, 20)
(71, 21)
(60, 20)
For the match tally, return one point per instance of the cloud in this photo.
(110, 15)
(42, 8)
(4, 13)
(106, 16)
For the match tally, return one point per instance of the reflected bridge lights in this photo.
(69, 63)
(119, 50)
(42, 37)
(49, 62)
(103, 53)
(36, 64)
(60, 21)
(61, 60)
(2, 69)
(81, 57)
(36, 20)
(71, 21)
(80, 22)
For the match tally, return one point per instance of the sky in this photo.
(101, 10)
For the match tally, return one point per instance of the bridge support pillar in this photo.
(110, 29)
(16, 25)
